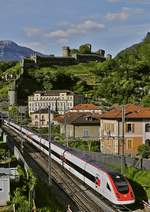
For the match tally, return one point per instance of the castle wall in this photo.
(51, 60)
(39, 61)
(84, 58)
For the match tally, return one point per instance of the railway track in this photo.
(79, 193)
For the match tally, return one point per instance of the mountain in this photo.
(137, 52)
(10, 51)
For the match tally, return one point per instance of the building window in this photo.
(108, 187)
(129, 128)
(85, 133)
(129, 144)
(36, 123)
(36, 116)
(43, 117)
(42, 122)
(109, 128)
(147, 127)
(147, 142)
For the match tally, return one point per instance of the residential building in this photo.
(136, 129)
(6, 174)
(86, 108)
(40, 118)
(4, 189)
(58, 100)
(83, 125)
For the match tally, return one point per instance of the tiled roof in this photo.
(59, 118)
(85, 107)
(131, 111)
(79, 118)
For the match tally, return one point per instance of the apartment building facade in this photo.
(136, 130)
(82, 125)
(58, 100)
(40, 118)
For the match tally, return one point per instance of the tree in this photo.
(20, 201)
(144, 150)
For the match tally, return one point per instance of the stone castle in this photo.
(67, 58)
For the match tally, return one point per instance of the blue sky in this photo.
(47, 25)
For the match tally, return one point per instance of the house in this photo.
(136, 129)
(83, 125)
(40, 118)
(6, 174)
(58, 100)
(86, 108)
(4, 189)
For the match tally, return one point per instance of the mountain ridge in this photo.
(11, 51)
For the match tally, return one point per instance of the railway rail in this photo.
(81, 194)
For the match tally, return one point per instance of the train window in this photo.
(108, 187)
(120, 183)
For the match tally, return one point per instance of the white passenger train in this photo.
(112, 185)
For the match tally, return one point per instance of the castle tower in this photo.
(108, 57)
(89, 46)
(65, 51)
(12, 95)
(101, 52)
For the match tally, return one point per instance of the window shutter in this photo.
(132, 127)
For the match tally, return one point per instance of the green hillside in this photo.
(78, 78)
(124, 79)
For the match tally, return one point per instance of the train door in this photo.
(97, 182)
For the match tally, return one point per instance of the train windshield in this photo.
(120, 183)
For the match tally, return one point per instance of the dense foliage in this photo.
(144, 150)
(124, 79)
(140, 182)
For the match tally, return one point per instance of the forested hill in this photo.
(124, 79)
(140, 51)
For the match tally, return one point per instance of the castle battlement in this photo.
(66, 59)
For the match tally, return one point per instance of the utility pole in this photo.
(21, 133)
(123, 139)
(40, 117)
(65, 119)
(49, 139)
(65, 122)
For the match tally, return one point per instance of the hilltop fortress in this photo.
(67, 58)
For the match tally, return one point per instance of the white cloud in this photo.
(76, 29)
(32, 31)
(61, 36)
(124, 14)
(57, 34)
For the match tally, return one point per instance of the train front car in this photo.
(123, 193)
